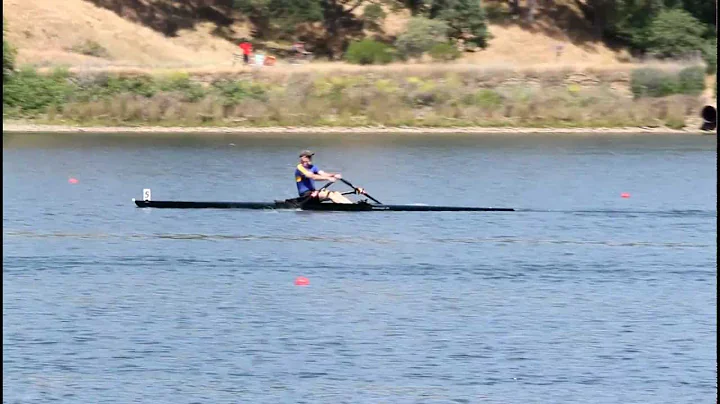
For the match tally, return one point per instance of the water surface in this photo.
(580, 296)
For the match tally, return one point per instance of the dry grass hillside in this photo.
(81, 34)
(51, 32)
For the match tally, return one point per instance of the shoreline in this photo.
(57, 129)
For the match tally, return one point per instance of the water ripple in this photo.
(347, 239)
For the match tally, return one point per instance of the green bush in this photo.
(487, 99)
(444, 52)
(374, 15)
(368, 52)
(102, 86)
(374, 12)
(181, 83)
(691, 80)
(674, 122)
(649, 82)
(234, 92)
(91, 48)
(140, 85)
(31, 93)
(484, 98)
(421, 35)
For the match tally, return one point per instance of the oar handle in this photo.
(355, 188)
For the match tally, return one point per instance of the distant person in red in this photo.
(246, 49)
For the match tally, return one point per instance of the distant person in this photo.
(298, 51)
(246, 51)
(305, 176)
(298, 47)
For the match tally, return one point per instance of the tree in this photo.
(465, 18)
(624, 20)
(710, 54)
(674, 33)
(271, 17)
(629, 20)
(703, 10)
(416, 7)
(340, 22)
(279, 16)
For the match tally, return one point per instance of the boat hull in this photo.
(330, 207)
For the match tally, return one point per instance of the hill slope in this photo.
(45, 32)
(51, 32)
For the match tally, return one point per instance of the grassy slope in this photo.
(45, 30)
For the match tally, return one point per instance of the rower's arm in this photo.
(319, 176)
(322, 175)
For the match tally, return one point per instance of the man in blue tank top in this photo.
(305, 176)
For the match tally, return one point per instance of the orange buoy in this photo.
(302, 281)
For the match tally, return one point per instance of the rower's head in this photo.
(306, 157)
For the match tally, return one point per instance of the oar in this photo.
(326, 185)
(355, 188)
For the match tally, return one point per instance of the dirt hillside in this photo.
(49, 32)
(79, 33)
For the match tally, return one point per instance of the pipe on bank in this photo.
(709, 116)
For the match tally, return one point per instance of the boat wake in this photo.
(622, 212)
(349, 239)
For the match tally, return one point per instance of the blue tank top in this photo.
(304, 183)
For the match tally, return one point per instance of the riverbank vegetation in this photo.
(422, 97)
(430, 95)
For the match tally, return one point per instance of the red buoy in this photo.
(73, 180)
(302, 281)
(625, 195)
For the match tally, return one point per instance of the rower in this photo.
(305, 176)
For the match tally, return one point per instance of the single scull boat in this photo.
(310, 204)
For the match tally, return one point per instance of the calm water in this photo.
(581, 296)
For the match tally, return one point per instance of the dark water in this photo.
(581, 296)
